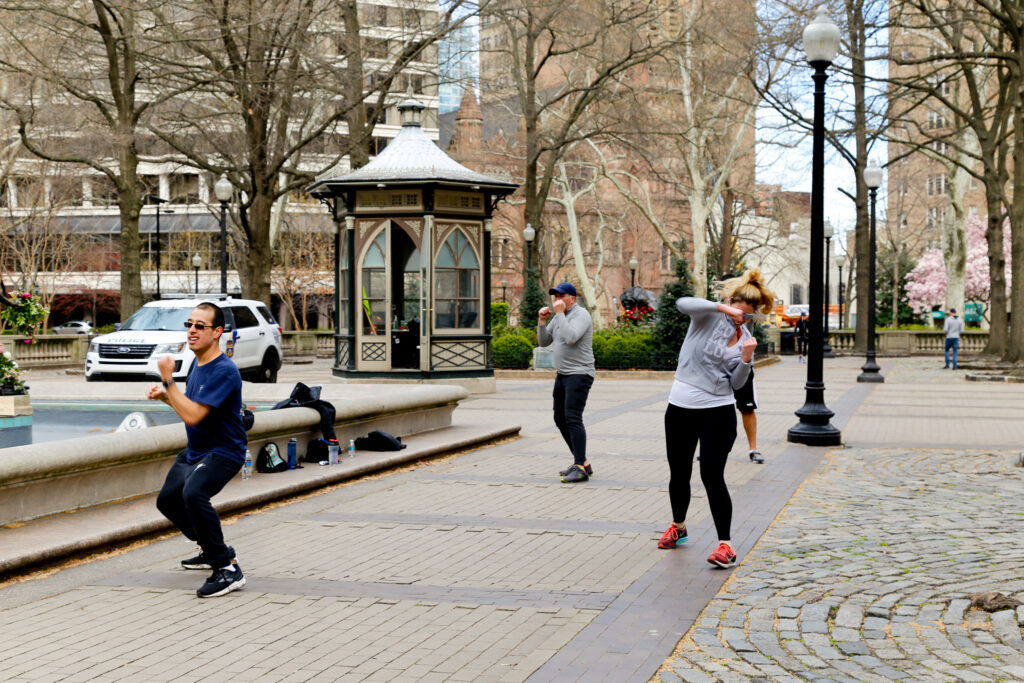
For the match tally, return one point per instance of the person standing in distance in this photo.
(211, 409)
(716, 359)
(801, 337)
(954, 327)
(571, 329)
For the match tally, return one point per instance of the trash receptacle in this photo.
(787, 342)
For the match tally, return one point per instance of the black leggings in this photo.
(715, 428)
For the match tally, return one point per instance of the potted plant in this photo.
(25, 318)
(10, 375)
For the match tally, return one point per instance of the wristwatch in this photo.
(167, 383)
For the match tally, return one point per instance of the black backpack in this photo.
(269, 459)
(379, 441)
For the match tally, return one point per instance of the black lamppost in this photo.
(528, 234)
(223, 189)
(504, 284)
(821, 41)
(158, 201)
(197, 261)
(633, 265)
(826, 349)
(839, 290)
(870, 372)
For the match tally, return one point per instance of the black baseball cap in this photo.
(563, 288)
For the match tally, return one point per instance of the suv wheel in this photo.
(94, 377)
(268, 368)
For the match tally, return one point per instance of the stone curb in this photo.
(63, 535)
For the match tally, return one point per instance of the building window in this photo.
(796, 295)
(457, 274)
(184, 188)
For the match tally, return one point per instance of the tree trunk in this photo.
(359, 142)
(130, 206)
(1014, 352)
(997, 335)
(725, 248)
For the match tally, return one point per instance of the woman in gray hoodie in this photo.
(716, 358)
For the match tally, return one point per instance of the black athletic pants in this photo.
(185, 500)
(570, 398)
(715, 429)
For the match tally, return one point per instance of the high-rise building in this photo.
(458, 66)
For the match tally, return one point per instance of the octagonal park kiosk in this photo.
(413, 263)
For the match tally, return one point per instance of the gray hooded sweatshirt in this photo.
(572, 333)
(706, 360)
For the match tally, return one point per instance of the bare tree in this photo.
(268, 78)
(963, 75)
(303, 269)
(559, 64)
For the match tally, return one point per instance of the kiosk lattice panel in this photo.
(458, 354)
(341, 354)
(374, 351)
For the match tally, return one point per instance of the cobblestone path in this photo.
(865, 576)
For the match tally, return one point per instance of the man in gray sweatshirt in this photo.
(954, 326)
(571, 329)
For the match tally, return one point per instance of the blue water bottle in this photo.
(293, 448)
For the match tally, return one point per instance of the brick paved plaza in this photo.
(855, 562)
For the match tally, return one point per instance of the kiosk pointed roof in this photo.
(411, 157)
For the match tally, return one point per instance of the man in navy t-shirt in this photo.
(211, 409)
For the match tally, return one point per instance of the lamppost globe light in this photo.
(197, 261)
(873, 175)
(821, 37)
(829, 230)
(222, 189)
(529, 233)
(633, 263)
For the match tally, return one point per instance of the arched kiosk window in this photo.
(375, 287)
(457, 298)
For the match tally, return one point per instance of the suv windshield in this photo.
(158, 318)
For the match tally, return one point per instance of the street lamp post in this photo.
(870, 372)
(826, 349)
(504, 284)
(839, 289)
(633, 265)
(223, 189)
(197, 261)
(821, 41)
(528, 234)
(158, 201)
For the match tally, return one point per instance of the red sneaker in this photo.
(673, 537)
(723, 557)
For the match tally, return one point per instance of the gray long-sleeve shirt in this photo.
(706, 360)
(572, 333)
(954, 326)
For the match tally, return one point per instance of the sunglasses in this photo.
(199, 326)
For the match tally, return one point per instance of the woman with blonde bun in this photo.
(716, 358)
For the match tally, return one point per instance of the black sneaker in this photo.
(222, 582)
(576, 474)
(755, 456)
(199, 561)
(588, 468)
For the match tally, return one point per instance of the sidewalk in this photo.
(485, 567)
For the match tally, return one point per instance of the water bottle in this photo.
(293, 447)
(351, 448)
(247, 467)
(332, 452)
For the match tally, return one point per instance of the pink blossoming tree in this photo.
(926, 283)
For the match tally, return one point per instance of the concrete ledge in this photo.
(43, 479)
(57, 536)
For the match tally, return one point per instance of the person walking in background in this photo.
(211, 409)
(954, 327)
(801, 337)
(570, 328)
(716, 359)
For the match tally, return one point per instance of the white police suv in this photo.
(251, 338)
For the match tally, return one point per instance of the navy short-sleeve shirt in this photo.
(218, 385)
